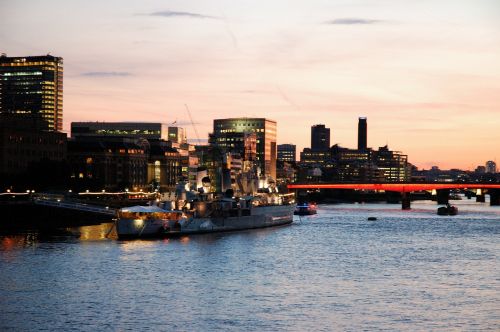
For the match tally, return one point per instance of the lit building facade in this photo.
(491, 167)
(164, 166)
(147, 130)
(111, 164)
(354, 165)
(287, 152)
(309, 156)
(33, 86)
(265, 131)
(393, 165)
(177, 135)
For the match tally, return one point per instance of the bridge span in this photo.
(442, 189)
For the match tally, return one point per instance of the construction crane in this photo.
(192, 123)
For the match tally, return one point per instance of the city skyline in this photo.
(424, 74)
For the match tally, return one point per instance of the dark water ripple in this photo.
(409, 270)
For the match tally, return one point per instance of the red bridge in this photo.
(442, 189)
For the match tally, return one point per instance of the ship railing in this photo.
(75, 206)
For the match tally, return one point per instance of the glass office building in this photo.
(265, 131)
(287, 152)
(33, 86)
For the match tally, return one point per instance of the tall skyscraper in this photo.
(320, 138)
(362, 134)
(265, 131)
(33, 86)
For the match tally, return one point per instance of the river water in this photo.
(408, 270)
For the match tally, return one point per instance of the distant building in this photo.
(287, 152)
(164, 166)
(393, 165)
(352, 165)
(177, 135)
(147, 130)
(227, 134)
(437, 175)
(112, 164)
(362, 134)
(310, 156)
(320, 138)
(355, 165)
(33, 86)
(480, 169)
(491, 167)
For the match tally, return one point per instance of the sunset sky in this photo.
(426, 73)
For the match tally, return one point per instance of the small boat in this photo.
(455, 196)
(305, 209)
(448, 210)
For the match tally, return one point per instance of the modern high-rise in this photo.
(362, 134)
(177, 135)
(320, 138)
(265, 131)
(491, 167)
(287, 152)
(33, 86)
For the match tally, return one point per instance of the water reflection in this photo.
(409, 270)
(103, 231)
(26, 240)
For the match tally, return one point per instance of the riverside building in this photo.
(265, 132)
(147, 130)
(33, 86)
(24, 144)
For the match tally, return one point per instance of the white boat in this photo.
(201, 217)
